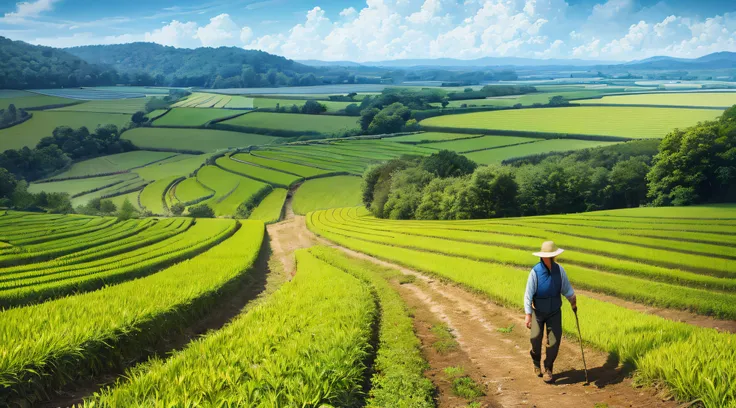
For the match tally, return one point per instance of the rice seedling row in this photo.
(118, 323)
(304, 345)
(273, 177)
(270, 208)
(286, 167)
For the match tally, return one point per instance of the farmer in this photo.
(542, 304)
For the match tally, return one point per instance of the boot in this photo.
(537, 371)
(549, 378)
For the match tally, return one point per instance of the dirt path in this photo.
(289, 235)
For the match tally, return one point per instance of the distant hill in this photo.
(716, 60)
(459, 63)
(26, 66)
(224, 67)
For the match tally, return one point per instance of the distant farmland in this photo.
(605, 121)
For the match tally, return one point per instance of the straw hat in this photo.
(549, 250)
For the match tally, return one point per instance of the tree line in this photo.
(689, 166)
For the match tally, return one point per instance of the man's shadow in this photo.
(609, 373)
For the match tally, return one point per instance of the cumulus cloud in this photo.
(221, 31)
(27, 10)
(175, 34)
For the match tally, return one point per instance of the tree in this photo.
(558, 100)
(294, 109)
(445, 102)
(697, 164)
(108, 207)
(127, 211)
(493, 193)
(201, 211)
(313, 107)
(177, 209)
(366, 117)
(352, 110)
(390, 119)
(139, 118)
(446, 163)
(8, 183)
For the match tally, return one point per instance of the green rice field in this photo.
(498, 155)
(286, 167)
(492, 257)
(588, 120)
(128, 106)
(321, 193)
(115, 163)
(706, 99)
(426, 137)
(78, 186)
(128, 185)
(273, 177)
(43, 123)
(132, 197)
(202, 140)
(231, 190)
(178, 165)
(152, 197)
(190, 190)
(294, 122)
(269, 209)
(24, 100)
(191, 117)
(480, 143)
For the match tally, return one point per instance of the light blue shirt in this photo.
(531, 288)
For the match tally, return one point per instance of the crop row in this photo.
(660, 294)
(32, 286)
(104, 329)
(502, 243)
(664, 352)
(286, 167)
(306, 345)
(273, 177)
(398, 379)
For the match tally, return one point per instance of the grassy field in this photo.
(288, 103)
(488, 257)
(481, 143)
(128, 185)
(429, 137)
(606, 121)
(156, 113)
(203, 140)
(191, 190)
(73, 187)
(299, 170)
(43, 123)
(543, 146)
(709, 99)
(328, 192)
(231, 190)
(273, 177)
(152, 197)
(116, 163)
(132, 197)
(269, 209)
(179, 165)
(191, 117)
(128, 106)
(24, 100)
(294, 122)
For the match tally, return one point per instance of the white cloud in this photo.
(429, 10)
(221, 31)
(245, 35)
(348, 13)
(175, 34)
(27, 10)
(85, 39)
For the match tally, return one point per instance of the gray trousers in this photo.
(552, 322)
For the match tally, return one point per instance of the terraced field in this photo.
(152, 197)
(269, 209)
(283, 166)
(587, 120)
(321, 193)
(24, 100)
(201, 140)
(231, 190)
(273, 177)
(191, 117)
(43, 123)
(498, 155)
(116, 163)
(191, 191)
(426, 137)
(613, 254)
(293, 122)
(480, 143)
(78, 187)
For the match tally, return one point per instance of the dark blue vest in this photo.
(547, 298)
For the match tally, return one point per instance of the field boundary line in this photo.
(639, 105)
(526, 133)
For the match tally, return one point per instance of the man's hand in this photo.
(574, 303)
(528, 321)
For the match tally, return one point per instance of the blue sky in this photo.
(389, 29)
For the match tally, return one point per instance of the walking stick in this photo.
(580, 337)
